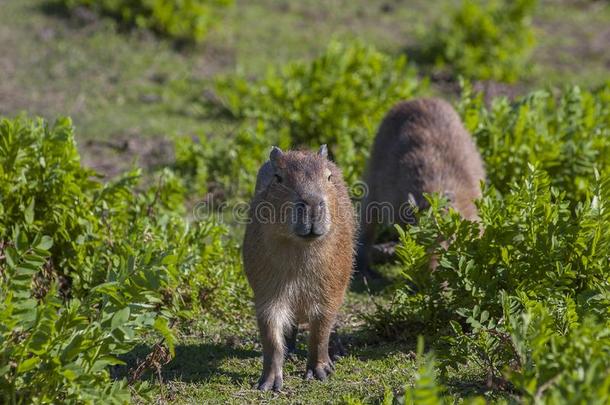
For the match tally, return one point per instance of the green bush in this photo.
(225, 168)
(181, 19)
(114, 265)
(483, 39)
(534, 252)
(567, 136)
(54, 351)
(338, 99)
(524, 294)
(565, 358)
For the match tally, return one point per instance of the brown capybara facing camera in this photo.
(421, 147)
(298, 256)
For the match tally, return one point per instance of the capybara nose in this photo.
(314, 205)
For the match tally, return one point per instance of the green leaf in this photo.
(26, 271)
(104, 362)
(45, 243)
(11, 256)
(162, 326)
(169, 260)
(73, 348)
(29, 212)
(28, 364)
(120, 317)
(39, 341)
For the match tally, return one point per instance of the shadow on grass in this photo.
(193, 362)
(53, 8)
(77, 18)
(83, 16)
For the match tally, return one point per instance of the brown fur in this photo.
(295, 279)
(421, 147)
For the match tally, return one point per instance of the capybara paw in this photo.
(320, 371)
(271, 381)
(336, 349)
(290, 357)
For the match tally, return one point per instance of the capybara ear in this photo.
(323, 151)
(274, 155)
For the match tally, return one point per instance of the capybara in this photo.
(421, 147)
(298, 256)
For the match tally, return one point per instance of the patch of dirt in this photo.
(216, 58)
(113, 157)
(600, 45)
(588, 42)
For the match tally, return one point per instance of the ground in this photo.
(130, 92)
(213, 365)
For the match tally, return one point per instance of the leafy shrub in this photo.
(534, 250)
(44, 188)
(568, 137)
(181, 19)
(225, 168)
(338, 99)
(522, 295)
(114, 265)
(483, 39)
(54, 351)
(565, 358)
(425, 389)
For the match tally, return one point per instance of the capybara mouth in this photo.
(311, 235)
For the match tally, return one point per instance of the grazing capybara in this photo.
(421, 147)
(298, 256)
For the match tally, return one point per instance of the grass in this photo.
(117, 83)
(219, 361)
(213, 365)
(363, 374)
(130, 85)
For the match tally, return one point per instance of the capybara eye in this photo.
(278, 178)
(329, 176)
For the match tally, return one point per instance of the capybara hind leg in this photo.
(272, 336)
(365, 242)
(319, 365)
(336, 349)
(291, 339)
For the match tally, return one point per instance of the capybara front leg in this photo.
(319, 365)
(272, 336)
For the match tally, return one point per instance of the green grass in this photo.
(219, 361)
(213, 365)
(230, 374)
(132, 84)
(109, 80)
